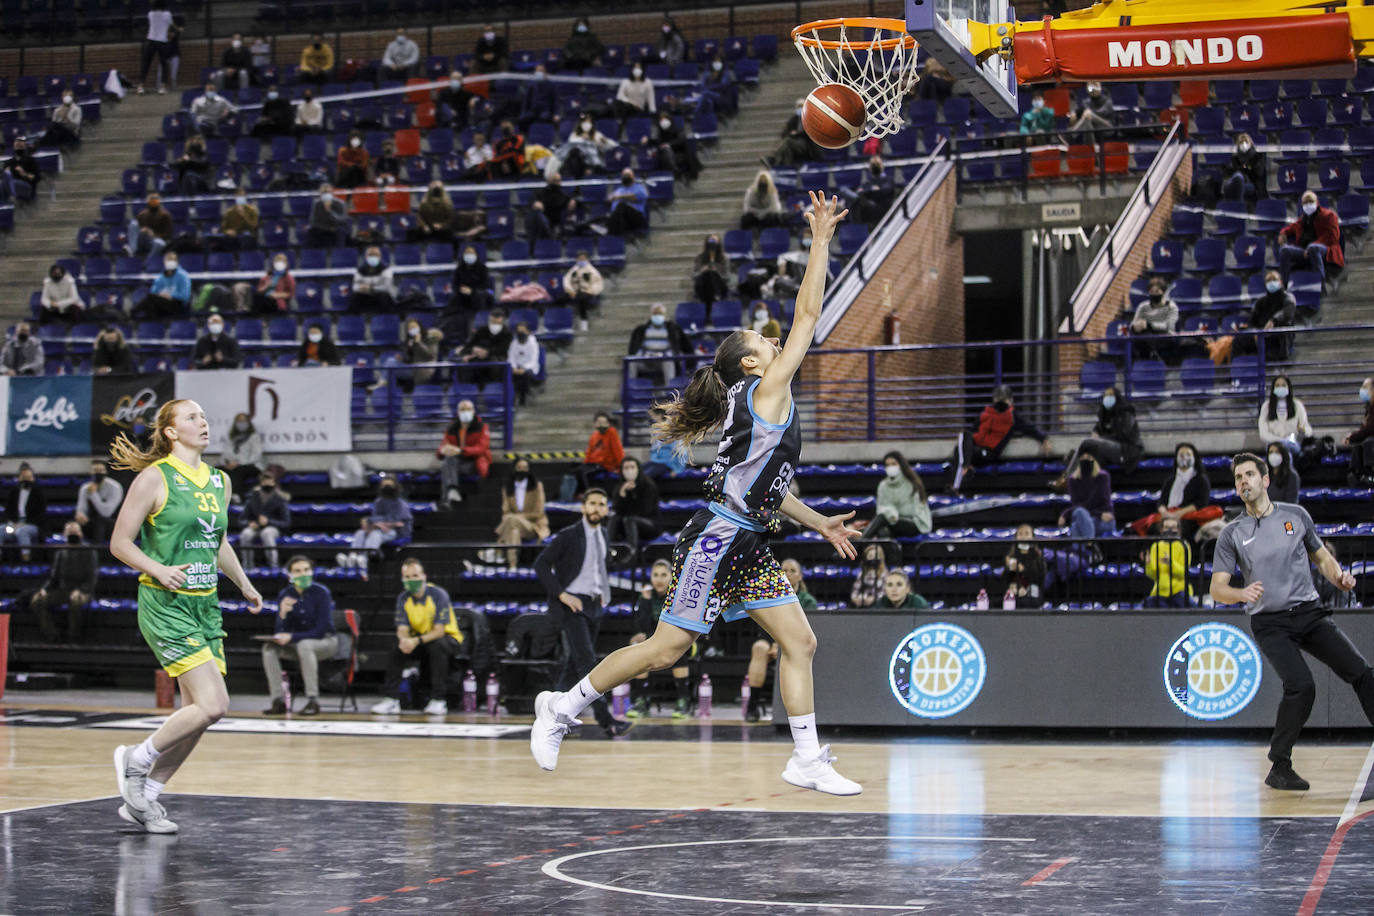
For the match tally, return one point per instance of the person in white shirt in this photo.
(374, 285)
(156, 43)
(1283, 418)
(64, 127)
(210, 110)
(523, 357)
(635, 95)
(97, 502)
(401, 55)
(59, 297)
(310, 113)
(476, 157)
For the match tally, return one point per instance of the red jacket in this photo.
(475, 442)
(605, 449)
(1328, 229)
(993, 427)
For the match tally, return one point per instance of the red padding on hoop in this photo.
(1290, 45)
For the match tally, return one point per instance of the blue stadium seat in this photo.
(1311, 113)
(1353, 211)
(1094, 377)
(610, 252)
(1225, 291)
(351, 330)
(1333, 178)
(690, 316)
(248, 330)
(281, 330)
(1148, 379)
(1245, 375)
(774, 242)
(1209, 256)
(1198, 377)
(1291, 179)
(1166, 257)
(1230, 217)
(725, 313)
(1271, 215)
(385, 329)
(1248, 252)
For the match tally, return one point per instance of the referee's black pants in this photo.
(1282, 637)
(580, 629)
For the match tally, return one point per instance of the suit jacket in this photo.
(36, 511)
(559, 563)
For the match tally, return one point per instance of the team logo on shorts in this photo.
(1212, 671)
(937, 670)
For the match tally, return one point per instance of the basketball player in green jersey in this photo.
(178, 506)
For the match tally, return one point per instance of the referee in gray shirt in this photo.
(1271, 545)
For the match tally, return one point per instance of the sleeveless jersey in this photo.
(189, 525)
(756, 460)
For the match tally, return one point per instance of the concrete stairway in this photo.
(46, 230)
(660, 269)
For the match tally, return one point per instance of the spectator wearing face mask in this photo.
(1285, 483)
(677, 153)
(276, 117)
(304, 630)
(216, 349)
(634, 96)
(1166, 565)
(603, 456)
(352, 162)
(659, 336)
(374, 285)
(868, 581)
(796, 145)
(318, 348)
(538, 99)
(762, 320)
(389, 519)
(71, 581)
(170, 295)
(23, 353)
(465, 452)
(490, 55)
(64, 127)
(328, 226)
(1312, 241)
(436, 217)
(400, 58)
(22, 165)
(471, 294)
(239, 224)
(453, 103)
(1361, 440)
(897, 593)
(584, 284)
(210, 111)
(1283, 418)
(902, 506)
(522, 512)
(317, 61)
(1039, 118)
(1275, 309)
(870, 201)
(242, 458)
(1158, 314)
(582, 49)
(711, 272)
(1185, 491)
(984, 444)
(1023, 570)
(1096, 112)
(1247, 174)
(111, 354)
(476, 158)
(26, 513)
(629, 206)
(672, 47)
(193, 167)
(523, 357)
(151, 229)
(1115, 437)
(266, 517)
(59, 299)
(97, 501)
(551, 211)
(261, 51)
(274, 290)
(309, 114)
(490, 343)
(719, 86)
(762, 206)
(507, 153)
(1090, 514)
(417, 349)
(236, 64)
(634, 507)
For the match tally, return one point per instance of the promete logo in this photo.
(1183, 52)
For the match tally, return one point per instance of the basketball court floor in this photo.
(407, 815)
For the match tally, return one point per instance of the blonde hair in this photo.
(126, 456)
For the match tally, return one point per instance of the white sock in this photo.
(145, 754)
(572, 703)
(804, 735)
(152, 789)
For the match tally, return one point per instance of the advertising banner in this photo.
(126, 404)
(294, 410)
(49, 415)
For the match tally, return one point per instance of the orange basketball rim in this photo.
(873, 56)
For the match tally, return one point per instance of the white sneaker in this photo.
(342, 560)
(582, 324)
(130, 780)
(548, 730)
(817, 773)
(388, 707)
(436, 708)
(155, 820)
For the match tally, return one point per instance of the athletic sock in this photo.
(572, 702)
(145, 754)
(804, 736)
(152, 789)
(684, 689)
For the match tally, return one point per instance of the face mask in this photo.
(664, 123)
(602, 427)
(303, 582)
(309, 96)
(279, 266)
(799, 110)
(318, 45)
(241, 426)
(637, 73)
(587, 125)
(1309, 208)
(56, 275)
(495, 327)
(667, 30)
(25, 484)
(465, 416)
(1184, 462)
(73, 539)
(455, 84)
(657, 320)
(761, 317)
(414, 330)
(389, 491)
(267, 486)
(98, 477)
(489, 36)
(241, 201)
(1037, 104)
(1171, 533)
(215, 328)
(522, 336)
(1281, 392)
(1085, 465)
(1109, 401)
(1244, 147)
(236, 43)
(1364, 395)
(522, 475)
(1023, 547)
(469, 258)
(876, 169)
(806, 243)
(273, 94)
(1273, 286)
(326, 196)
(716, 65)
(22, 336)
(169, 266)
(414, 586)
(892, 471)
(355, 142)
(373, 260)
(1000, 406)
(210, 93)
(315, 336)
(1275, 459)
(66, 100)
(581, 27)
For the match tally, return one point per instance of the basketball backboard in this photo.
(941, 27)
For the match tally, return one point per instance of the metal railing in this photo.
(404, 415)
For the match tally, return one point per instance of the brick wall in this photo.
(922, 282)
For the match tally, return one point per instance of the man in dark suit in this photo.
(573, 570)
(26, 513)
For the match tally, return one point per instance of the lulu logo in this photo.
(40, 416)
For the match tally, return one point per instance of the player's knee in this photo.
(215, 708)
(801, 646)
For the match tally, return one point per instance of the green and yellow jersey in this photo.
(189, 526)
(421, 612)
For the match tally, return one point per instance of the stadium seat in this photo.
(1094, 377)
(1148, 379)
(1166, 257)
(1249, 251)
(690, 316)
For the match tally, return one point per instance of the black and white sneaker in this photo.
(1282, 777)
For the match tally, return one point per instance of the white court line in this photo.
(1360, 782)
(553, 870)
(74, 801)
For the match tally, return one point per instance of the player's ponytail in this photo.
(689, 416)
(126, 456)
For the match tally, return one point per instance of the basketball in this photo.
(833, 115)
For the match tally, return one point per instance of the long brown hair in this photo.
(689, 416)
(126, 456)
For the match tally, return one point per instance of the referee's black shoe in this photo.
(617, 727)
(1281, 776)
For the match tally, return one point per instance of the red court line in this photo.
(405, 890)
(1045, 872)
(373, 899)
(339, 909)
(1328, 862)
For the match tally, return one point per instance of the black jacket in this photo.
(641, 502)
(276, 509)
(561, 560)
(328, 355)
(1119, 424)
(230, 355)
(496, 345)
(1253, 165)
(1196, 492)
(677, 338)
(279, 113)
(73, 568)
(36, 512)
(554, 199)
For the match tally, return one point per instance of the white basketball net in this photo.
(881, 70)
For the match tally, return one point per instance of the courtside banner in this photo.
(49, 415)
(294, 410)
(126, 404)
(1311, 46)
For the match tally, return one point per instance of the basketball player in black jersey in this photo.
(722, 564)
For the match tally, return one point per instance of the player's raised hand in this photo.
(834, 530)
(823, 217)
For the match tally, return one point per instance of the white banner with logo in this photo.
(294, 410)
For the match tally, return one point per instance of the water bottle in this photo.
(620, 700)
(1009, 600)
(744, 693)
(286, 691)
(982, 602)
(470, 692)
(493, 695)
(704, 697)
